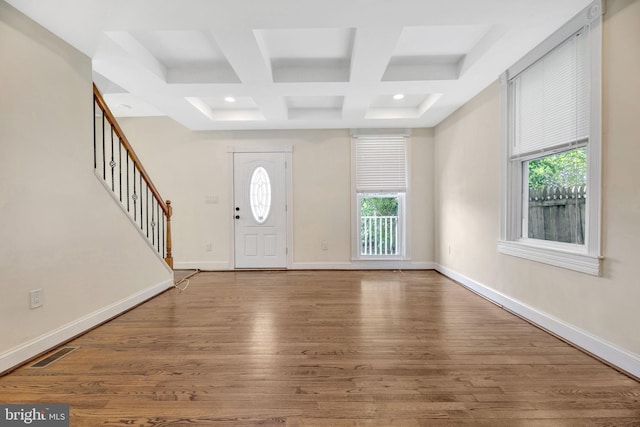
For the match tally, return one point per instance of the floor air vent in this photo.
(53, 357)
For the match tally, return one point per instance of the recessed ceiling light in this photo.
(230, 99)
(398, 96)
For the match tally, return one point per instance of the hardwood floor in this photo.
(330, 348)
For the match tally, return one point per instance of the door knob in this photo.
(237, 216)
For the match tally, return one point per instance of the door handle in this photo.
(237, 216)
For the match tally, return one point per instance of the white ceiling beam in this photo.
(272, 107)
(369, 41)
(246, 54)
(355, 107)
(372, 50)
(480, 49)
(126, 41)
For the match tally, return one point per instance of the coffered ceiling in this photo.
(295, 64)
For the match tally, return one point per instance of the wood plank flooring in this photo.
(330, 348)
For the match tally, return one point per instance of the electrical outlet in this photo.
(35, 298)
(324, 245)
(208, 247)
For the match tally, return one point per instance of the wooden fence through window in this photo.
(557, 214)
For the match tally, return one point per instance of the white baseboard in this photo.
(609, 352)
(201, 265)
(24, 352)
(355, 265)
(364, 265)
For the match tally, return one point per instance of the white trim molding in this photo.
(203, 265)
(582, 263)
(385, 264)
(609, 352)
(380, 132)
(16, 356)
(365, 265)
(263, 148)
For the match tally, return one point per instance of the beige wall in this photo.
(467, 159)
(191, 167)
(59, 230)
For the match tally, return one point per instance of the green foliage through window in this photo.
(557, 197)
(379, 224)
(565, 169)
(379, 206)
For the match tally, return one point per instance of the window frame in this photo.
(513, 240)
(404, 217)
(401, 196)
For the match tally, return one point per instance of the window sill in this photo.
(580, 262)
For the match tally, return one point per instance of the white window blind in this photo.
(550, 99)
(381, 164)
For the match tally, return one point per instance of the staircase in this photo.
(116, 163)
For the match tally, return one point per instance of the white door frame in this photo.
(287, 149)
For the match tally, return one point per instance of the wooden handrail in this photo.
(120, 134)
(164, 205)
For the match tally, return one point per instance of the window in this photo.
(555, 196)
(380, 187)
(380, 228)
(260, 194)
(551, 148)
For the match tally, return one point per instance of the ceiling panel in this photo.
(408, 101)
(305, 64)
(437, 40)
(314, 101)
(180, 49)
(308, 43)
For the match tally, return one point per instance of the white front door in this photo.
(260, 210)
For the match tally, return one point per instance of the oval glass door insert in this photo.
(260, 194)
